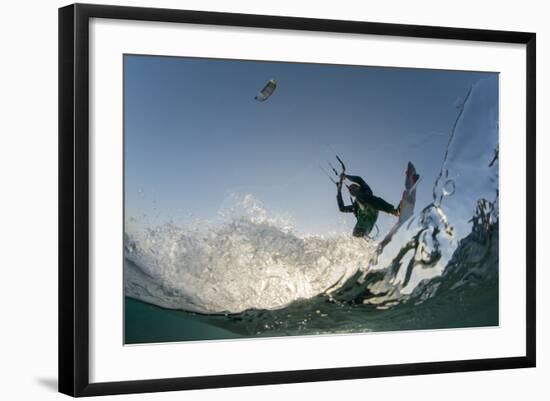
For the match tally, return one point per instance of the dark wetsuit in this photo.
(365, 207)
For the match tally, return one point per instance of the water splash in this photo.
(466, 186)
(248, 261)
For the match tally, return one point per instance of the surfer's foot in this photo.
(399, 209)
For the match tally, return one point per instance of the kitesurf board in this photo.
(406, 206)
(408, 199)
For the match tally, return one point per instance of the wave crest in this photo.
(245, 262)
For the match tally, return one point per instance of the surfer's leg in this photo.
(358, 231)
(381, 204)
(364, 226)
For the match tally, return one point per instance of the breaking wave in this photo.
(249, 261)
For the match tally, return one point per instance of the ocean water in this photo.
(252, 275)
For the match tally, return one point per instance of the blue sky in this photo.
(194, 135)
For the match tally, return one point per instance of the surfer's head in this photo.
(353, 188)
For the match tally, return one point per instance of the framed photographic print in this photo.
(249, 199)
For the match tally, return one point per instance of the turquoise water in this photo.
(146, 323)
(474, 307)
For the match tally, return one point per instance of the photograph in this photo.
(269, 199)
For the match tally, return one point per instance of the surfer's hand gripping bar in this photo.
(341, 176)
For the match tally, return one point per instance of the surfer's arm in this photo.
(343, 208)
(381, 205)
(358, 180)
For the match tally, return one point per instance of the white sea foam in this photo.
(247, 261)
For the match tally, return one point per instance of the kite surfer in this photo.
(365, 205)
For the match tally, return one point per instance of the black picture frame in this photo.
(74, 198)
